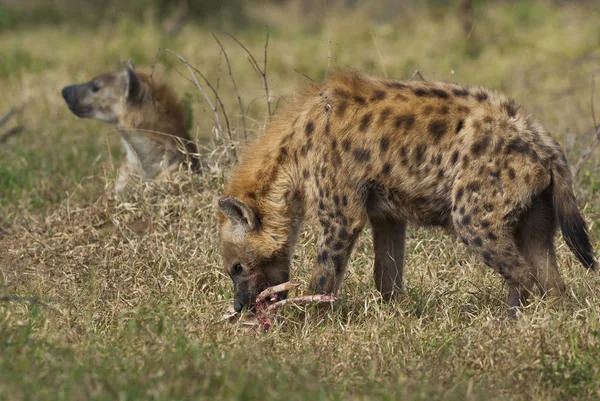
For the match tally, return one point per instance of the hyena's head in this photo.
(105, 97)
(251, 257)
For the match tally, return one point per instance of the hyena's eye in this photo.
(94, 88)
(237, 269)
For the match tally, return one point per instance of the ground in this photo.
(102, 299)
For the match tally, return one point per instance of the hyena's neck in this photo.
(269, 183)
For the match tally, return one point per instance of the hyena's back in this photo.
(360, 148)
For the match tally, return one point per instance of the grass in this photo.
(104, 299)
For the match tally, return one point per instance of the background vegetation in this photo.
(105, 299)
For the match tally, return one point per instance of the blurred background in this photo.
(542, 53)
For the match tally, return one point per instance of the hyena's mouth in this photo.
(80, 111)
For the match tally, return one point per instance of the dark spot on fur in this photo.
(510, 108)
(362, 155)
(439, 93)
(466, 220)
(338, 246)
(459, 195)
(344, 200)
(461, 210)
(338, 263)
(310, 127)
(405, 121)
(520, 146)
(323, 256)
(336, 199)
(460, 125)
(385, 113)
(321, 205)
(360, 100)
(511, 173)
(346, 145)
(491, 236)
(421, 92)
(473, 186)
(485, 223)
(438, 159)
(395, 85)
(437, 129)
(460, 92)
(305, 173)
(495, 174)
(420, 153)
(327, 127)
(378, 95)
(387, 167)
(465, 161)
(477, 241)
(478, 147)
(481, 96)
(365, 122)
(384, 144)
(444, 110)
(454, 158)
(487, 258)
(341, 108)
(251, 195)
(343, 233)
(334, 144)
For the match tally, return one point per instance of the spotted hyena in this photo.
(148, 114)
(358, 148)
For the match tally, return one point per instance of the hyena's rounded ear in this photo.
(239, 213)
(132, 86)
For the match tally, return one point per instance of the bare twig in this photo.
(261, 72)
(590, 149)
(304, 75)
(235, 87)
(379, 54)
(11, 132)
(7, 117)
(193, 69)
(415, 74)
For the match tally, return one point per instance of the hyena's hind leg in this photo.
(535, 235)
(487, 232)
(388, 243)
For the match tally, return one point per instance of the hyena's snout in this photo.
(73, 95)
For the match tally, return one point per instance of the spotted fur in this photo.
(360, 149)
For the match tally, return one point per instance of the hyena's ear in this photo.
(238, 213)
(132, 86)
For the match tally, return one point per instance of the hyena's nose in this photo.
(66, 92)
(238, 305)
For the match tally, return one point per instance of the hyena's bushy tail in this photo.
(573, 226)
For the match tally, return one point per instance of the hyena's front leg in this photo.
(340, 231)
(388, 242)
(125, 170)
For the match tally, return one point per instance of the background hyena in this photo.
(150, 117)
(358, 149)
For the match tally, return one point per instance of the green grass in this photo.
(105, 299)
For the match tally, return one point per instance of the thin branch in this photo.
(261, 72)
(590, 149)
(193, 69)
(234, 88)
(379, 53)
(415, 74)
(304, 75)
(11, 132)
(7, 117)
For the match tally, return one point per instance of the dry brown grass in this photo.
(103, 299)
